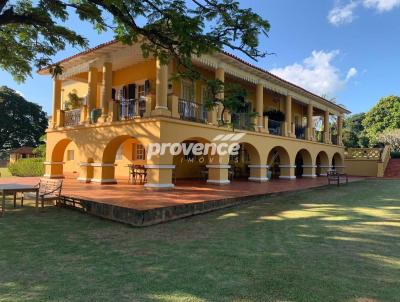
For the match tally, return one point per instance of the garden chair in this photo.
(49, 190)
(335, 177)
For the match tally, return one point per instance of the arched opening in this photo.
(322, 163)
(303, 160)
(247, 155)
(277, 158)
(337, 161)
(124, 151)
(189, 165)
(65, 159)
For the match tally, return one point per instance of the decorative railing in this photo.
(275, 127)
(300, 132)
(319, 136)
(131, 108)
(192, 111)
(72, 117)
(364, 153)
(242, 121)
(334, 139)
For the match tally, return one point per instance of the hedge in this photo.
(27, 167)
(394, 154)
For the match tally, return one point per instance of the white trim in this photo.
(102, 165)
(287, 166)
(83, 179)
(85, 164)
(338, 166)
(104, 181)
(159, 166)
(309, 166)
(219, 182)
(324, 166)
(309, 175)
(323, 174)
(160, 186)
(287, 177)
(161, 107)
(259, 166)
(218, 166)
(54, 163)
(53, 176)
(258, 179)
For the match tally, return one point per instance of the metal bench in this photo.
(49, 190)
(335, 177)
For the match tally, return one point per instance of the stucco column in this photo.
(161, 90)
(288, 116)
(258, 173)
(287, 172)
(260, 106)
(309, 171)
(310, 125)
(92, 90)
(56, 100)
(327, 134)
(220, 75)
(339, 129)
(106, 90)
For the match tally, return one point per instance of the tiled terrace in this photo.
(135, 205)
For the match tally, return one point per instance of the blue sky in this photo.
(343, 49)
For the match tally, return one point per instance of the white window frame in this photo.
(188, 83)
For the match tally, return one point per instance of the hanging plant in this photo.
(275, 115)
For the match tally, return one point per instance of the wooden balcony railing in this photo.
(72, 117)
(300, 132)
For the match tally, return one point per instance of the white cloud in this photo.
(345, 14)
(351, 73)
(342, 14)
(316, 73)
(381, 5)
(20, 93)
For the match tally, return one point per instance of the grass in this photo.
(4, 172)
(328, 244)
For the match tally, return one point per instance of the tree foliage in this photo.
(353, 131)
(392, 138)
(22, 123)
(383, 116)
(31, 32)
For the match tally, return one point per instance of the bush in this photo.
(27, 167)
(395, 154)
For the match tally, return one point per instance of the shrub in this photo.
(27, 167)
(395, 154)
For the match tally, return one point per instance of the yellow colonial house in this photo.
(130, 102)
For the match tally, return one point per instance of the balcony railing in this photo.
(275, 127)
(300, 132)
(192, 111)
(334, 139)
(72, 117)
(319, 136)
(242, 121)
(132, 108)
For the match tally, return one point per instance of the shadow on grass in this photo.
(326, 244)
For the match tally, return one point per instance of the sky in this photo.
(342, 49)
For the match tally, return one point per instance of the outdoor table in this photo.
(13, 189)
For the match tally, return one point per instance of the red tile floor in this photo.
(137, 197)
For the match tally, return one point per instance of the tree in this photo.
(392, 138)
(31, 32)
(22, 123)
(384, 115)
(353, 129)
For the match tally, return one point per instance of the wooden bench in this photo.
(49, 190)
(335, 177)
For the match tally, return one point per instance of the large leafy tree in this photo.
(383, 116)
(31, 32)
(22, 123)
(353, 131)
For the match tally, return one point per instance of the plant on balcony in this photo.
(234, 102)
(73, 102)
(275, 115)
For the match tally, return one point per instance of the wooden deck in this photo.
(135, 205)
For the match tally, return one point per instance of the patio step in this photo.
(393, 169)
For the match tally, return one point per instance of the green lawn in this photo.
(328, 244)
(4, 172)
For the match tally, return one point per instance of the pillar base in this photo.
(291, 177)
(104, 181)
(103, 119)
(258, 179)
(153, 186)
(309, 175)
(161, 111)
(218, 182)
